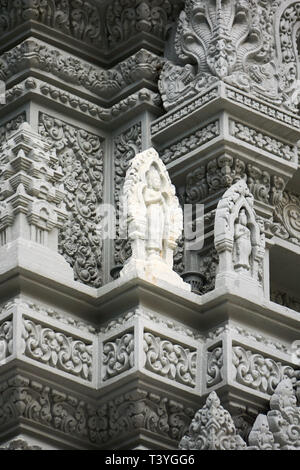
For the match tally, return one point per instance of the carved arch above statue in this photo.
(239, 237)
(154, 219)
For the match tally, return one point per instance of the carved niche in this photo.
(233, 41)
(239, 235)
(81, 159)
(154, 218)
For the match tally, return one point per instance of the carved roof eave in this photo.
(70, 104)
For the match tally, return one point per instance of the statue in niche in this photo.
(242, 242)
(156, 214)
(239, 240)
(154, 220)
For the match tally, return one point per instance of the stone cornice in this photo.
(70, 73)
(93, 28)
(70, 103)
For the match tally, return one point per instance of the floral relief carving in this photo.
(191, 142)
(125, 19)
(57, 350)
(158, 320)
(82, 106)
(226, 170)
(215, 176)
(280, 428)
(81, 158)
(77, 18)
(170, 360)
(164, 122)
(6, 339)
(258, 372)
(263, 141)
(212, 428)
(84, 420)
(20, 444)
(286, 218)
(11, 126)
(282, 298)
(208, 264)
(126, 146)
(106, 83)
(118, 355)
(214, 366)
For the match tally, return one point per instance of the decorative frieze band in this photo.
(86, 420)
(82, 106)
(66, 17)
(263, 141)
(192, 142)
(105, 83)
(172, 117)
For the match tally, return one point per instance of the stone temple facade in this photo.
(108, 342)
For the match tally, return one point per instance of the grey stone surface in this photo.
(92, 360)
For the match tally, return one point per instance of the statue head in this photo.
(243, 219)
(153, 178)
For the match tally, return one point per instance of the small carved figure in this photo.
(156, 214)
(242, 239)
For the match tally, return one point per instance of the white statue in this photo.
(242, 242)
(154, 220)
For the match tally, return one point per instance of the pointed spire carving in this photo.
(31, 190)
(212, 429)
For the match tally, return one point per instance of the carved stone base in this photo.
(154, 271)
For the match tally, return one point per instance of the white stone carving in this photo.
(280, 428)
(170, 360)
(118, 355)
(154, 219)
(212, 429)
(239, 237)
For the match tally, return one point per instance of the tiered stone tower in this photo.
(97, 356)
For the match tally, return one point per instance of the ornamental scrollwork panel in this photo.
(80, 156)
(118, 355)
(126, 146)
(57, 350)
(6, 339)
(258, 372)
(214, 374)
(170, 360)
(286, 218)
